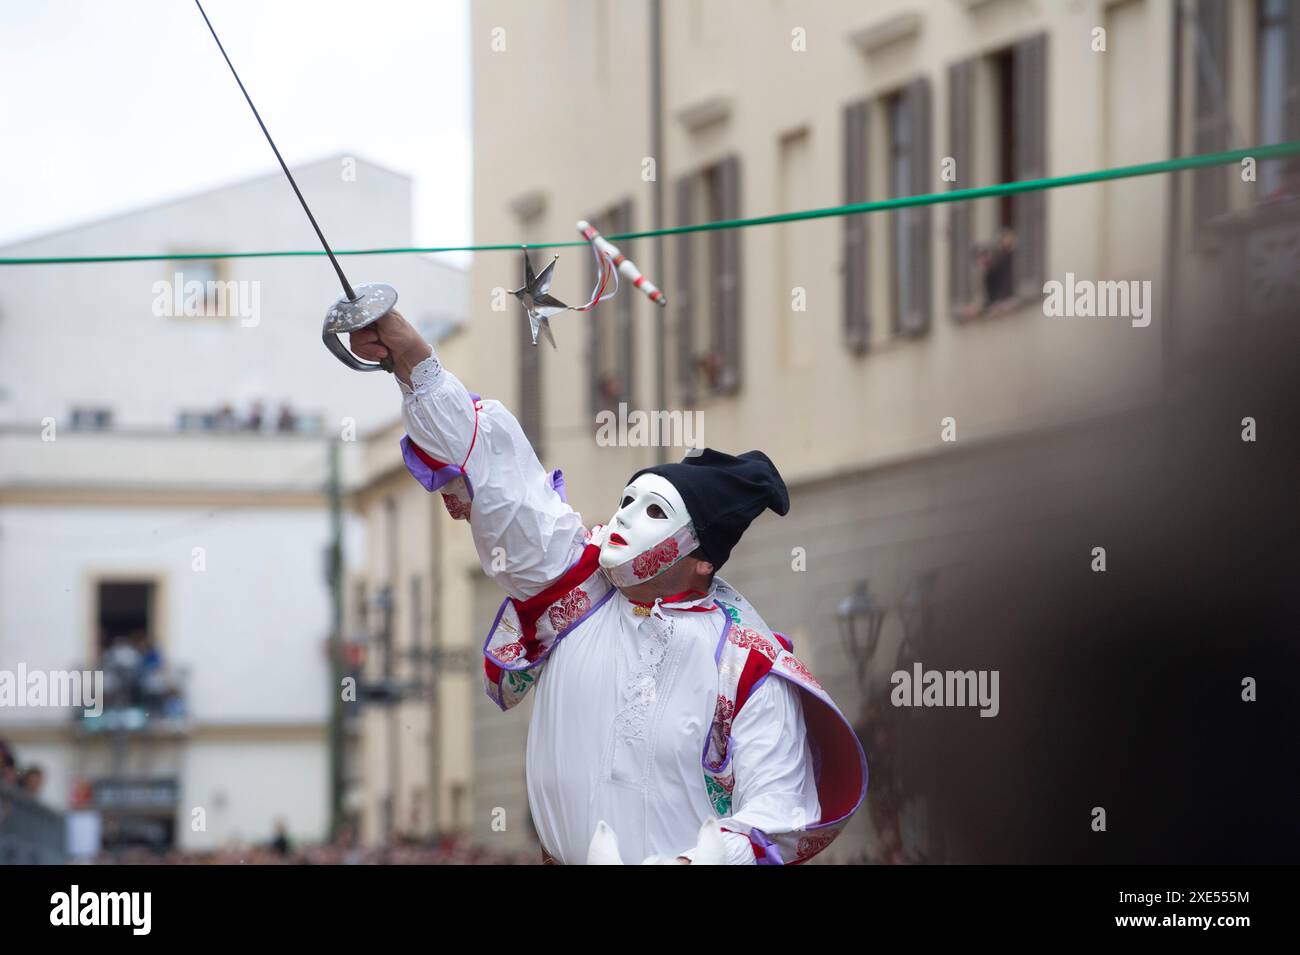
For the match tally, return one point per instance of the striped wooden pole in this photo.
(624, 265)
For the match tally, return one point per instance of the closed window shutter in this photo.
(1210, 122)
(1029, 68)
(610, 328)
(857, 320)
(596, 331)
(729, 280)
(683, 298)
(961, 236)
(1292, 99)
(917, 320)
(626, 326)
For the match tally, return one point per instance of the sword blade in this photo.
(347, 286)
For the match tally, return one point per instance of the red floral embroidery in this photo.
(458, 509)
(745, 637)
(809, 846)
(509, 652)
(792, 663)
(725, 710)
(655, 559)
(720, 729)
(568, 609)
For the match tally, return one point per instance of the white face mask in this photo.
(651, 514)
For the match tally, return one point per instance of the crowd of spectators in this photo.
(255, 417)
(135, 675)
(449, 850)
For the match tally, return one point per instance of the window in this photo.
(124, 614)
(1278, 96)
(92, 419)
(214, 296)
(609, 325)
(997, 133)
(902, 122)
(196, 420)
(708, 292)
(1211, 119)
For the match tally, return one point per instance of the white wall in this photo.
(245, 788)
(251, 627)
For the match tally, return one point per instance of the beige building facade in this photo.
(870, 356)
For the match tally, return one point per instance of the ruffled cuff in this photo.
(425, 377)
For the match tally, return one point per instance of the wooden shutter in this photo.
(1210, 115)
(727, 318)
(1029, 70)
(626, 325)
(857, 318)
(917, 321)
(961, 234)
(683, 299)
(597, 328)
(610, 328)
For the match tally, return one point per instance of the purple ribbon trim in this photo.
(771, 851)
(431, 479)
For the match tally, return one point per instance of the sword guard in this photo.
(374, 300)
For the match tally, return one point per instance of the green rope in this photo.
(1259, 153)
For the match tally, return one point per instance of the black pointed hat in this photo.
(723, 493)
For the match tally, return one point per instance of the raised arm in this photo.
(525, 533)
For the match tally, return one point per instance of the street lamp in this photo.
(860, 619)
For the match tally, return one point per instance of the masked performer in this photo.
(662, 698)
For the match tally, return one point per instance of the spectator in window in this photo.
(998, 281)
(152, 678)
(994, 261)
(122, 664)
(32, 779)
(288, 420)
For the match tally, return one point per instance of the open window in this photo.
(997, 133)
(708, 292)
(1277, 93)
(125, 614)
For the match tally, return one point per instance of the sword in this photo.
(359, 307)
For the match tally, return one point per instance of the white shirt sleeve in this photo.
(525, 535)
(775, 786)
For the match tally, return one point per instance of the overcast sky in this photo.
(108, 105)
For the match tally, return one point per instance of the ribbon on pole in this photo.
(620, 262)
